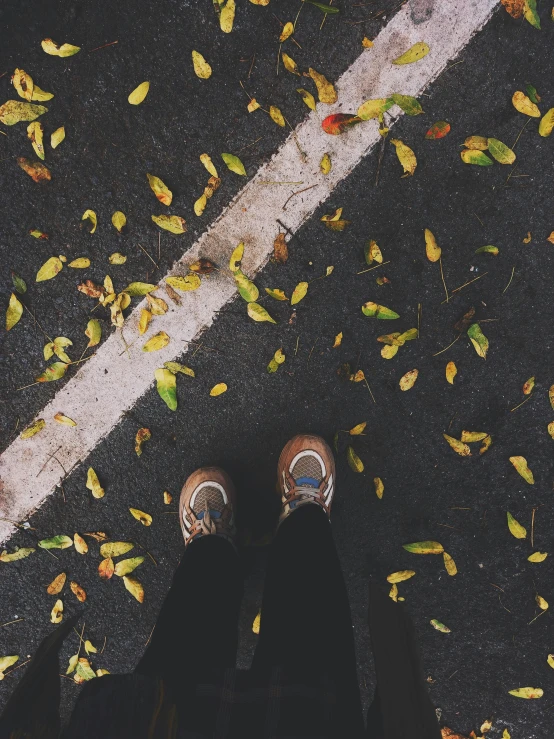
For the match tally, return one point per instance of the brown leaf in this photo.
(78, 592)
(202, 266)
(36, 170)
(106, 568)
(514, 7)
(88, 287)
(56, 586)
(463, 324)
(449, 734)
(280, 249)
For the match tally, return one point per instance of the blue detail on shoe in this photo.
(213, 514)
(308, 481)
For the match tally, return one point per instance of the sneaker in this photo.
(305, 474)
(207, 505)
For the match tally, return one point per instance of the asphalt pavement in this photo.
(430, 491)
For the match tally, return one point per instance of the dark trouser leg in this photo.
(198, 623)
(306, 617)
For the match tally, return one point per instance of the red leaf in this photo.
(339, 123)
(438, 130)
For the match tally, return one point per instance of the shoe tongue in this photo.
(307, 482)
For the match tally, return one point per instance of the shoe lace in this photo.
(306, 491)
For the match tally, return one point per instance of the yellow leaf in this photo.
(33, 429)
(406, 157)
(528, 386)
(90, 216)
(144, 320)
(89, 648)
(17, 555)
(449, 564)
(468, 437)
(49, 269)
(389, 351)
(528, 693)
(56, 586)
(372, 253)
(160, 190)
(80, 544)
(93, 484)
(541, 602)
(520, 463)
(174, 224)
(167, 497)
(93, 332)
(373, 108)
(325, 90)
(393, 594)
(516, 529)
(524, 105)
(144, 518)
(414, 54)
(236, 259)
(424, 547)
(115, 548)
(201, 67)
(479, 143)
(35, 133)
(80, 263)
(289, 64)
(400, 576)
(157, 342)
(358, 429)
(432, 250)
(26, 88)
(139, 93)
(14, 111)
(184, 283)
(408, 380)
(142, 435)
(227, 16)
(325, 163)
(276, 115)
(451, 372)
(78, 592)
(218, 389)
(275, 293)
(307, 97)
(459, 447)
(288, 30)
(57, 612)
(158, 306)
(299, 293)
(207, 162)
(551, 396)
(550, 660)
(119, 221)
(550, 429)
(257, 620)
(338, 340)
(537, 557)
(354, 461)
(14, 312)
(57, 137)
(166, 385)
(252, 105)
(54, 49)
(126, 566)
(547, 123)
(258, 313)
(379, 487)
(64, 420)
(367, 43)
(134, 587)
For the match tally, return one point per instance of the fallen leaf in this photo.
(276, 362)
(550, 660)
(185, 283)
(17, 555)
(550, 429)
(54, 49)
(516, 529)
(393, 593)
(478, 339)
(160, 190)
(227, 16)
(14, 312)
(132, 585)
(374, 310)
(33, 429)
(537, 557)
(246, 287)
(547, 123)
(325, 90)
(406, 157)
(201, 67)
(379, 487)
(176, 367)
(92, 221)
(424, 547)
(502, 153)
(307, 97)
(276, 116)
(80, 263)
(414, 54)
(438, 130)
(89, 648)
(472, 156)
(372, 253)
(280, 250)
(530, 13)
(166, 385)
(257, 623)
(115, 548)
(156, 342)
(541, 602)
(524, 105)
(277, 294)
(93, 332)
(358, 429)
(520, 463)
(528, 386)
(27, 89)
(367, 43)
(371, 109)
(459, 447)
(93, 484)
(338, 340)
(56, 586)
(35, 133)
(451, 372)
(36, 170)
(514, 7)
(480, 143)
(469, 437)
(80, 544)
(167, 498)
(139, 93)
(83, 671)
(353, 460)
(106, 568)
(258, 313)
(56, 542)
(174, 224)
(527, 693)
(14, 111)
(408, 380)
(218, 389)
(289, 64)
(409, 104)
(436, 624)
(78, 592)
(400, 576)
(432, 250)
(55, 371)
(299, 293)
(57, 137)
(449, 564)
(142, 435)
(488, 249)
(144, 518)
(325, 164)
(126, 566)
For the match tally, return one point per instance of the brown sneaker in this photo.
(305, 474)
(207, 505)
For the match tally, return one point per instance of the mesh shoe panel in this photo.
(307, 466)
(213, 498)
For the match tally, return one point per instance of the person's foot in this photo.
(207, 505)
(305, 474)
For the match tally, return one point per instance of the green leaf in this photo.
(516, 529)
(19, 284)
(54, 372)
(354, 461)
(14, 312)
(478, 339)
(126, 566)
(84, 670)
(436, 624)
(135, 289)
(414, 54)
(324, 8)
(530, 13)
(374, 310)
(234, 164)
(520, 463)
(424, 547)
(532, 94)
(299, 293)
(258, 313)
(474, 156)
(409, 104)
(502, 153)
(246, 287)
(56, 542)
(176, 367)
(489, 249)
(166, 385)
(278, 359)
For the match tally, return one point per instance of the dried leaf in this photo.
(93, 332)
(174, 224)
(93, 484)
(257, 623)
(451, 372)
(139, 93)
(469, 437)
(432, 249)
(414, 54)
(144, 518)
(528, 693)
(184, 283)
(160, 189)
(449, 564)
(36, 170)
(289, 64)
(33, 429)
(325, 90)
(56, 586)
(516, 529)
(175, 367)
(167, 498)
(520, 463)
(372, 253)
(547, 123)
(201, 67)
(524, 105)
(278, 359)
(514, 7)
(478, 339)
(258, 313)
(502, 153)
(156, 342)
(406, 157)
(14, 111)
(207, 162)
(78, 592)
(57, 137)
(358, 429)
(119, 221)
(26, 88)
(438, 130)
(61, 541)
(17, 555)
(142, 435)
(280, 250)
(288, 30)
(218, 389)
(338, 340)
(132, 585)
(307, 97)
(126, 566)
(400, 576)
(54, 49)
(325, 164)
(541, 602)
(275, 293)
(374, 310)
(299, 293)
(550, 429)
(424, 547)
(92, 221)
(473, 156)
(367, 43)
(80, 544)
(56, 615)
(459, 447)
(14, 312)
(35, 133)
(353, 460)
(115, 548)
(408, 380)
(379, 487)
(276, 116)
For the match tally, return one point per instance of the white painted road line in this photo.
(112, 381)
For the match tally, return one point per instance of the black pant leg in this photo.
(306, 618)
(198, 622)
